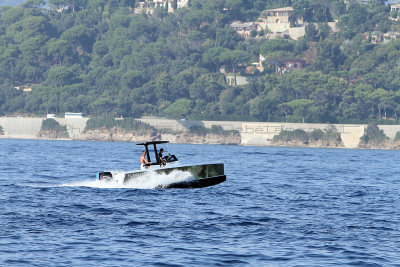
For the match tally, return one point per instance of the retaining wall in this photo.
(261, 133)
(29, 128)
(252, 133)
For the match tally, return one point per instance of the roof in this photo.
(242, 24)
(152, 142)
(288, 8)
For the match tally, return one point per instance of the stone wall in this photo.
(261, 133)
(252, 133)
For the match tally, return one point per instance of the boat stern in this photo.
(104, 176)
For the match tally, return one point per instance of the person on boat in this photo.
(160, 156)
(143, 160)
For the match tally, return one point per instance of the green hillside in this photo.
(99, 57)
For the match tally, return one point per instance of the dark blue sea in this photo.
(278, 207)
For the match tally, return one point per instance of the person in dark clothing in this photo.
(160, 156)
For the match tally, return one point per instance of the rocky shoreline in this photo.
(316, 144)
(121, 135)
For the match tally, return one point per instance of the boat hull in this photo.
(199, 183)
(202, 175)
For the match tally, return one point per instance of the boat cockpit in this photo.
(167, 159)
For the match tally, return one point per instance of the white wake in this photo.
(150, 180)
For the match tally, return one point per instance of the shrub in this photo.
(373, 135)
(331, 134)
(199, 130)
(316, 135)
(397, 137)
(300, 135)
(217, 129)
(288, 136)
(52, 125)
(1, 130)
(284, 136)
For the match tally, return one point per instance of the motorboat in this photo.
(202, 175)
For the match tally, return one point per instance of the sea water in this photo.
(278, 207)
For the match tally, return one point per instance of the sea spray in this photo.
(150, 180)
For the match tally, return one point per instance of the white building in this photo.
(72, 115)
(148, 6)
(395, 7)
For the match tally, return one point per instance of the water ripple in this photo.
(294, 207)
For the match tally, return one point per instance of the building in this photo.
(279, 20)
(289, 65)
(244, 29)
(390, 36)
(376, 37)
(395, 7)
(148, 6)
(24, 88)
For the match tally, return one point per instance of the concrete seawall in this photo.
(252, 133)
(261, 133)
(29, 128)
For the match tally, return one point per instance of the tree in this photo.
(31, 48)
(211, 57)
(234, 7)
(274, 45)
(58, 49)
(299, 107)
(163, 82)
(59, 76)
(79, 35)
(233, 58)
(373, 135)
(132, 79)
(12, 15)
(311, 32)
(206, 87)
(303, 9)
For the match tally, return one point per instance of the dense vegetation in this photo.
(330, 135)
(98, 57)
(128, 124)
(1, 130)
(51, 125)
(373, 135)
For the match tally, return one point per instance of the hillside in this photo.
(11, 2)
(104, 57)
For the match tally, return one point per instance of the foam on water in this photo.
(150, 180)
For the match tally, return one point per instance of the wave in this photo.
(150, 180)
